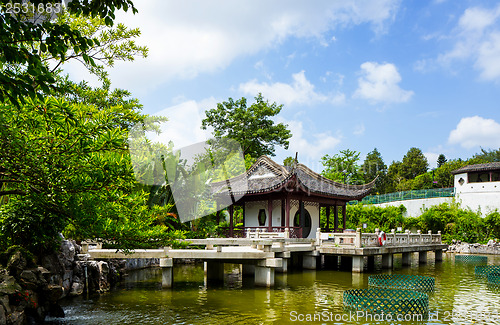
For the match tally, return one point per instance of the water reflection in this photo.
(459, 298)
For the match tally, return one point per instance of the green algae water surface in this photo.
(299, 297)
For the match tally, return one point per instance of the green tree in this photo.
(288, 161)
(373, 167)
(487, 156)
(441, 160)
(251, 126)
(66, 167)
(343, 167)
(414, 163)
(394, 177)
(26, 40)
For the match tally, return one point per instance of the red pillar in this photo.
(344, 214)
(327, 219)
(283, 213)
(231, 212)
(287, 213)
(335, 218)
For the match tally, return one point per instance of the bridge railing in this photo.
(359, 239)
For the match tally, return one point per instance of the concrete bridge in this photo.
(262, 253)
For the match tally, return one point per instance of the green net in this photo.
(494, 278)
(402, 281)
(472, 259)
(483, 270)
(387, 301)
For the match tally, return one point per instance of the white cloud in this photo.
(380, 83)
(310, 150)
(186, 38)
(300, 91)
(476, 131)
(359, 129)
(477, 38)
(183, 127)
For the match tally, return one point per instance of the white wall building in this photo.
(477, 187)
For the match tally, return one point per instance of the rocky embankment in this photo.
(491, 247)
(29, 292)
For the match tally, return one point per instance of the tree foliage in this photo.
(343, 167)
(66, 166)
(414, 163)
(26, 40)
(374, 167)
(487, 156)
(441, 160)
(251, 126)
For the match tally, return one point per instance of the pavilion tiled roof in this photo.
(477, 168)
(265, 176)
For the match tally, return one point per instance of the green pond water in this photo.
(299, 297)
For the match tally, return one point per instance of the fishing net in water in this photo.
(494, 278)
(483, 270)
(387, 301)
(472, 259)
(402, 281)
(494, 281)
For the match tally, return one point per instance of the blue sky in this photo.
(350, 74)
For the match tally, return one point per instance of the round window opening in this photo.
(306, 230)
(262, 217)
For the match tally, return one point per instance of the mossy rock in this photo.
(7, 260)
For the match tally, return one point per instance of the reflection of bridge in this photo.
(264, 254)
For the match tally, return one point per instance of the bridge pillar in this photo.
(357, 264)
(284, 267)
(248, 269)
(387, 261)
(167, 272)
(215, 271)
(438, 257)
(309, 261)
(406, 259)
(422, 257)
(264, 276)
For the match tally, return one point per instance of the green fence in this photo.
(387, 301)
(402, 281)
(471, 259)
(408, 195)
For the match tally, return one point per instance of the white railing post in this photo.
(318, 237)
(419, 232)
(357, 240)
(287, 233)
(393, 232)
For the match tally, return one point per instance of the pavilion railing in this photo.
(242, 232)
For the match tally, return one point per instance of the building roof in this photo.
(477, 168)
(266, 176)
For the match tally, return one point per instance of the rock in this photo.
(9, 286)
(77, 288)
(29, 275)
(3, 317)
(17, 263)
(16, 318)
(4, 301)
(53, 292)
(67, 254)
